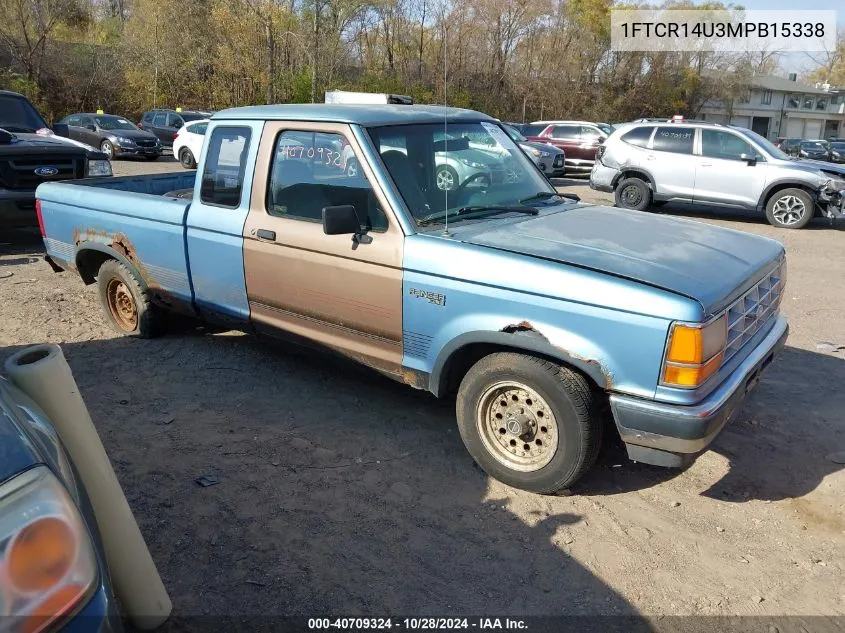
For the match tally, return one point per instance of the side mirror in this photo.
(341, 220)
(61, 129)
(751, 159)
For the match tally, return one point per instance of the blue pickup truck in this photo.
(537, 313)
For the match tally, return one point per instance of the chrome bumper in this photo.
(671, 435)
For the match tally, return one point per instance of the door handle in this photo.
(706, 164)
(264, 234)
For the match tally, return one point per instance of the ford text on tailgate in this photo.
(442, 258)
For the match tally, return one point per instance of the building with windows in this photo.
(778, 107)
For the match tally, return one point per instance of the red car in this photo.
(579, 139)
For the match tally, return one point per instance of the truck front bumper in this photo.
(672, 435)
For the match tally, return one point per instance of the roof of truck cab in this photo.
(366, 115)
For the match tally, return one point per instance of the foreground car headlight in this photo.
(125, 141)
(694, 352)
(47, 563)
(99, 168)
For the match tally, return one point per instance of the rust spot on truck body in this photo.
(528, 328)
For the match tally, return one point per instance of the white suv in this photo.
(653, 163)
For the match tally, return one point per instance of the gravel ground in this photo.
(341, 492)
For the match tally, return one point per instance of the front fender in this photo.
(521, 337)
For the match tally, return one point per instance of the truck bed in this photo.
(127, 216)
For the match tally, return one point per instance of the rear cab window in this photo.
(225, 164)
(677, 140)
(638, 137)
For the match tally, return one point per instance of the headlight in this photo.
(694, 352)
(536, 153)
(99, 168)
(125, 141)
(473, 164)
(47, 563)
(544, 154)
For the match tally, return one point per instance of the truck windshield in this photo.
(466, 165)
(18, 115)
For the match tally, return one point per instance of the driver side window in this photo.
(724, 145)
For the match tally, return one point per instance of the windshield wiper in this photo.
(476, 211)
(547, 195)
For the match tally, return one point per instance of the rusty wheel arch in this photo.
(90, 257)
(459, 355)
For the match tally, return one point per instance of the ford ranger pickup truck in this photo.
(537, 313)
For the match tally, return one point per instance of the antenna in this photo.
(445, 129)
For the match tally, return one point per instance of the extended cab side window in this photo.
(225, 163)
(678, 140)
(313, 170)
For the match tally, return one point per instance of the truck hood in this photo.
(49, 141)
(707, 263)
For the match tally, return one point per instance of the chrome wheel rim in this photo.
(517, 426)
(185, 158)
(122, 305)
(445, 180)
(789, 210)
(107, 149)
(631, 196)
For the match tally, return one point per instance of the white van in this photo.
(342, 96)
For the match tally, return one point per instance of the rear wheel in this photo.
(126, 302)
(446, 178)
(528, 422)
(186, 157)
(633, 193)
(790, 209)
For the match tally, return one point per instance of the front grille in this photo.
(145, 142)
(753, 310)
(19, 173)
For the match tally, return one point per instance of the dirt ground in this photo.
(341, 492)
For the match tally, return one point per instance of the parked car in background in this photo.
(789, 145)
(115, 136)
(53, 570)
(815, 150)
(578, 139)
(31, 153)
(165, 123)
(188, 142)
(713, 164)
(535, 313)
(837, 152)
(550, 159)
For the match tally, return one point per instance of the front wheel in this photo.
(528, 422)
(447, 178)
(108, 149)
(790, 209)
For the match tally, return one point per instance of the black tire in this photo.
(571, 403)
(448, 173)
(122, 295)
(633, 193)
(186, 157)
(777, 205)
(107, 148)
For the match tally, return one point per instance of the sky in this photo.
(797, 62)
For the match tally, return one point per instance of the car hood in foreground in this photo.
(22, 141)
(707, 263)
